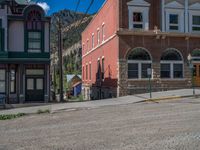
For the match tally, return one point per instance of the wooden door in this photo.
(196, 73)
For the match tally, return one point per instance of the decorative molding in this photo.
(174, 5)
(138, 3)
(195, 6)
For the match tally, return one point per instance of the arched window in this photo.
(34, 28)
(139, 61)
(171, 64)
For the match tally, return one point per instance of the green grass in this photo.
(11, 116)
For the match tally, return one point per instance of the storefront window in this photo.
(2, 80)
(12, 81)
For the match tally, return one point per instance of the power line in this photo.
(86, 13)
(78, 3)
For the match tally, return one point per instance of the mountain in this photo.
(73, 25)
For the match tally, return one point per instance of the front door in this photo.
(196, 74)
(34, 89)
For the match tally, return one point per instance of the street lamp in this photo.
(149, 72)
(192, 72)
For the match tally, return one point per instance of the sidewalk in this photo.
(106, 102)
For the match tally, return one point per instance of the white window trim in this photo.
(92, 40)
(145, 16)
(140, 62)
(172, 69)
(98, 36)
(181, 24)
(103, 32)
(191, 14)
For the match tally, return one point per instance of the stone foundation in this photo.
(133, 86)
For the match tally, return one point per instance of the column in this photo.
(186, 16)
(21, 84)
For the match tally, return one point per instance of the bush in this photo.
(11, 116)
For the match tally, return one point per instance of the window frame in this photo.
(139, 63)
(34, 50)
(92, 40)
(181, 24)
(15, 81)
(145, 16)
(191, 25)
(103, 68)
(3, 81)
(172, 63)
(103, 32)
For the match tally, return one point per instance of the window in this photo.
(139, 61)
(34, 27)
(34, 41)
(86, 72)
(2, 80)
(137, 20)
(98, 69)
(90, 67)
(102, 70)
(83, 48)
(171, 64)
(133, 71)
(87, 45)
(195, 23)
(83, 72)
(165, 71)
(92, 41)
(173, 22)
(1, 36)
(12, 80)
(98, 37)
(144, 70)
(103, 32)
(138, 13)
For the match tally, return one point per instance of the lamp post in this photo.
(192, 72)
(149, 72)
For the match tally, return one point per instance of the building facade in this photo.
(24, 52)
(128, 37)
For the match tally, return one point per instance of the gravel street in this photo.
(167, 125)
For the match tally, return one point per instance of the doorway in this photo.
(34, 89)
(196, 74)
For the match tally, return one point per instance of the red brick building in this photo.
(127, 37)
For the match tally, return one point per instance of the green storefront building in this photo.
(24, 52)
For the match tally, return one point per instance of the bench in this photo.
(3, 100)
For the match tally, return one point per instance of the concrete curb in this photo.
(168, 98)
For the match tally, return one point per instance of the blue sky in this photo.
(56, 5)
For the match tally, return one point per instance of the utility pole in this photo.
(60, 58)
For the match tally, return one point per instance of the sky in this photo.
(52, 6)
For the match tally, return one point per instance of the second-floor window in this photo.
(1, 36)
(173, 22)
(98, 37)
(103, 32)
(34, 41)
(92, 41)
(137, 20)
(34, 27)
(195, 23)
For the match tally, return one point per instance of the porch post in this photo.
(21, 84)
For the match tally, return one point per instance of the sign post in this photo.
(149, 73)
